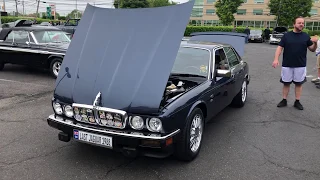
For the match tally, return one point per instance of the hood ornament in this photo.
(97, 100)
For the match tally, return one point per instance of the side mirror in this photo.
(223, 73)
(27, 42)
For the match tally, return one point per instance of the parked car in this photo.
(35, 46)
(277, 34)
(146, 92)
(70, 26)
(256, 35)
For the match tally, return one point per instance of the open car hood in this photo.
(280, 29)
(126, 54)
(237, 40)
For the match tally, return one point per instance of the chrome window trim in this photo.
(34, 38)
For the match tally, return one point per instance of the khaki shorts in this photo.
(318, 62)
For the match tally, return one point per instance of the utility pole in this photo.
(37, 8)
(76, 5)
(23, 7)
(4, 5)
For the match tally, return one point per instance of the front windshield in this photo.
(51, 36)
(255, 32)
(193, 61)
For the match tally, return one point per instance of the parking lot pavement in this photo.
(258, 141)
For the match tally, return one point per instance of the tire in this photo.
(240, 99)
(55, 65)
(183, 151)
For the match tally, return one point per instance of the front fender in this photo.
(195, 105)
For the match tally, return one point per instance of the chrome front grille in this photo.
(101, 116)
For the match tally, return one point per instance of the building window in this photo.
(197, 12)
(198, 3)
(211, 1)
(241, 12)
(245, 1)
(316, 1)
(258, 1)
(210, 12)
(257, 11)
(313, 12)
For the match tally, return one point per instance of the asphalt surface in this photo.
(258, 141)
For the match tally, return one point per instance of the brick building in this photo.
(253, 13)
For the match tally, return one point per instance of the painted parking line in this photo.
(13, 81)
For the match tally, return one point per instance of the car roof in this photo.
(202, 44)
(5, 31)
(36, 28)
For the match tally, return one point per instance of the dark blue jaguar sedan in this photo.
(146, 92)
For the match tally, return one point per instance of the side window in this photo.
(18, 37)
(232, 57)
(221, 61)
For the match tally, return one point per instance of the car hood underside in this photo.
(125, 54)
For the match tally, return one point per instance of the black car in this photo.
(35, 46)
(146, 92)
(70, 26)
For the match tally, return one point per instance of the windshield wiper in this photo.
(187, 75)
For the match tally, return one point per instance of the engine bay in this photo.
(176, 87)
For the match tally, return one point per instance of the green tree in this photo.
(160, 3)
(286, 10)
(226, 9)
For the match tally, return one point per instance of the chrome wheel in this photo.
(244, 91)
(56, 68)
(196, 130)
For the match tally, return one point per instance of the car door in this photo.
(222, 83)
(9, 51)
(237, 71)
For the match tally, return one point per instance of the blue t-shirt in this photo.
(295, 49)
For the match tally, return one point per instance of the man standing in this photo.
(267, 34)
(317, 80)
(247, 31)
(295, 44)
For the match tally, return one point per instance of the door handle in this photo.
(214, 95)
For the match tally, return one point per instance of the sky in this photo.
(63, 7)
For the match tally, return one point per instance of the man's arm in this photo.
(278, 52)
(312, 44)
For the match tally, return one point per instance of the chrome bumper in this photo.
(74, 125)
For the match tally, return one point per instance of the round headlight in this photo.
(57, 108)
(155, 125)
(137, 123)
(68, 111)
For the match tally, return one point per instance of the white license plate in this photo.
(97, 139)
(252, 38)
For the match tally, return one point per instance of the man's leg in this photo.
(286, 79)
(299, 78)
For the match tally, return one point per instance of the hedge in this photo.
(190, 29)
(8, 19)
